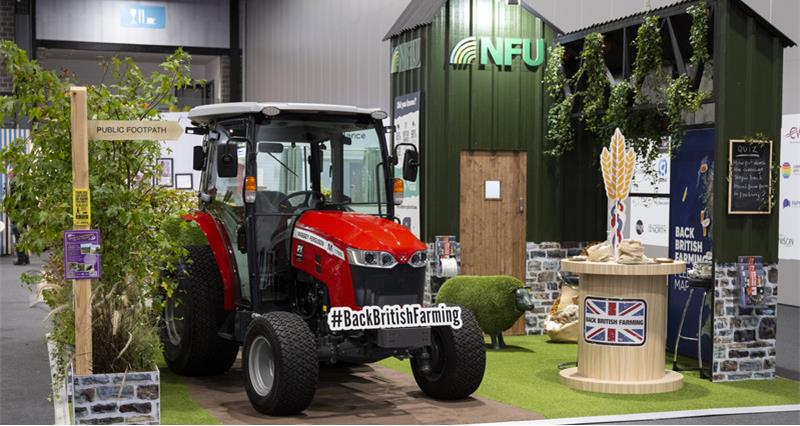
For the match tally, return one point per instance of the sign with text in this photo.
(690, 229)
(81, 207)
(750, 178)
(406, 56)
(82, 255)
(121, 130)
(406, 121)
(789, 200)
(616, 322)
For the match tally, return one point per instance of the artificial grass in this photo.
(525, 375)
(177, 405)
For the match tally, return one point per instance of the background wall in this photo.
(319, 51)
(200, 23)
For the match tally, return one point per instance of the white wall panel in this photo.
(319, 51)
(199, 23)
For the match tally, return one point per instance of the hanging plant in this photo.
(554, 78)
(680, 99)
(648, 57)
(559, 127)
(698, 32)
(617, 112)
(592, 73)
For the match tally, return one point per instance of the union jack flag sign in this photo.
(617, 322)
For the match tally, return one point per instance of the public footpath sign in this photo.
(116, 130)
(615, 322)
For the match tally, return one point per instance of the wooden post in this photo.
(81, 289)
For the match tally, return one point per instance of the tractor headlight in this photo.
(419, 259)
(371, 259)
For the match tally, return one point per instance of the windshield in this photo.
(338, 157)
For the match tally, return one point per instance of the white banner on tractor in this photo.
(394, 316)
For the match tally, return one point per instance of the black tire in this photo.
(285, 340)
(458, 361)
(193, 317)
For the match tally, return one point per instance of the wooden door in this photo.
(492, 221)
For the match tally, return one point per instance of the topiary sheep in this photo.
(496, 301)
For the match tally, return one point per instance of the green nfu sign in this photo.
(501, 51)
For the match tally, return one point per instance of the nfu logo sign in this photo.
(501, 51)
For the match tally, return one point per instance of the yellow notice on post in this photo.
(81, 208)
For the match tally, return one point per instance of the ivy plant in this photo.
(647, 62)
(593, 76)
(559, 126)
(680, 99)
(698, 32)
(131, 213)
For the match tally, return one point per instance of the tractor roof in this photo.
(207, 113)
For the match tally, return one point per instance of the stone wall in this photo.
(121, 398)
(744, 338)
(7, 32)
(541, 276)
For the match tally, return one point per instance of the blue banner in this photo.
(690, 232)
(136, 15)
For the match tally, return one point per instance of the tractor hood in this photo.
(363, 231)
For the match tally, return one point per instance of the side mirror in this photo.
(410, 165)
(199, 158)
(227, 162)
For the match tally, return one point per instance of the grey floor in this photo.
(24, 366)
(781, 418)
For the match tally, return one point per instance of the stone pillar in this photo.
(744, 338)
(543, 265)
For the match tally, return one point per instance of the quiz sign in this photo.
(615, 322)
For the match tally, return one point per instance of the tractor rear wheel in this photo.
(193, 316)
(279, 362)
(457, 360)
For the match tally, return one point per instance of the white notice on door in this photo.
(492, 190)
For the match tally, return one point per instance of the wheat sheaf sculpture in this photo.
(617, 164)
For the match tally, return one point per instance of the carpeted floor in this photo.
(525, 375)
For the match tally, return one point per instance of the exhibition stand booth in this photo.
(500, 103)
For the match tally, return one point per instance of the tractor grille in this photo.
(401, 285)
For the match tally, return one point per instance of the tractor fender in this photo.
(219, 243)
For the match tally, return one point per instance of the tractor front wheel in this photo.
(457, 361)
(279, 359)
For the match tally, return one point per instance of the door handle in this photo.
(521, 204)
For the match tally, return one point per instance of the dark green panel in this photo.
(749, 78)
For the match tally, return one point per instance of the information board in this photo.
(789, 200)
(750, 177)
(406, 122)
(82, 255)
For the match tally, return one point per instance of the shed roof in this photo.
(419, 13)
(668, 10)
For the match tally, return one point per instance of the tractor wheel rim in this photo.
(261, 366)
(174, 322)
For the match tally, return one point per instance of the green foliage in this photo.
(616, 115)
(698, 33)
(128, 210)
(490, 298)
(592, 72)
(647, 62)
(183, 232)
(680, 98)
(559, 126)
(554, 77)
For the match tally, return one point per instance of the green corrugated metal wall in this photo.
(480, 108)
(749, 80)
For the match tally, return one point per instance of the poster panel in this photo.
(789, 201)
(690, 230)
(406, 121)
(649, 220)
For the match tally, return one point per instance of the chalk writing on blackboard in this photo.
(750, 177)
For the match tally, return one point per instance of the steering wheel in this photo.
(285, 205)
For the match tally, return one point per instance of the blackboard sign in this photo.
(750, 177)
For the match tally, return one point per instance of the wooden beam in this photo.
(676, 49)
(81, 289)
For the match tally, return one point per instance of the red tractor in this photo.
(297, 208)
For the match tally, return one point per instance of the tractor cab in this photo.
(264, 165)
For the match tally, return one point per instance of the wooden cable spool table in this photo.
(623, 313)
